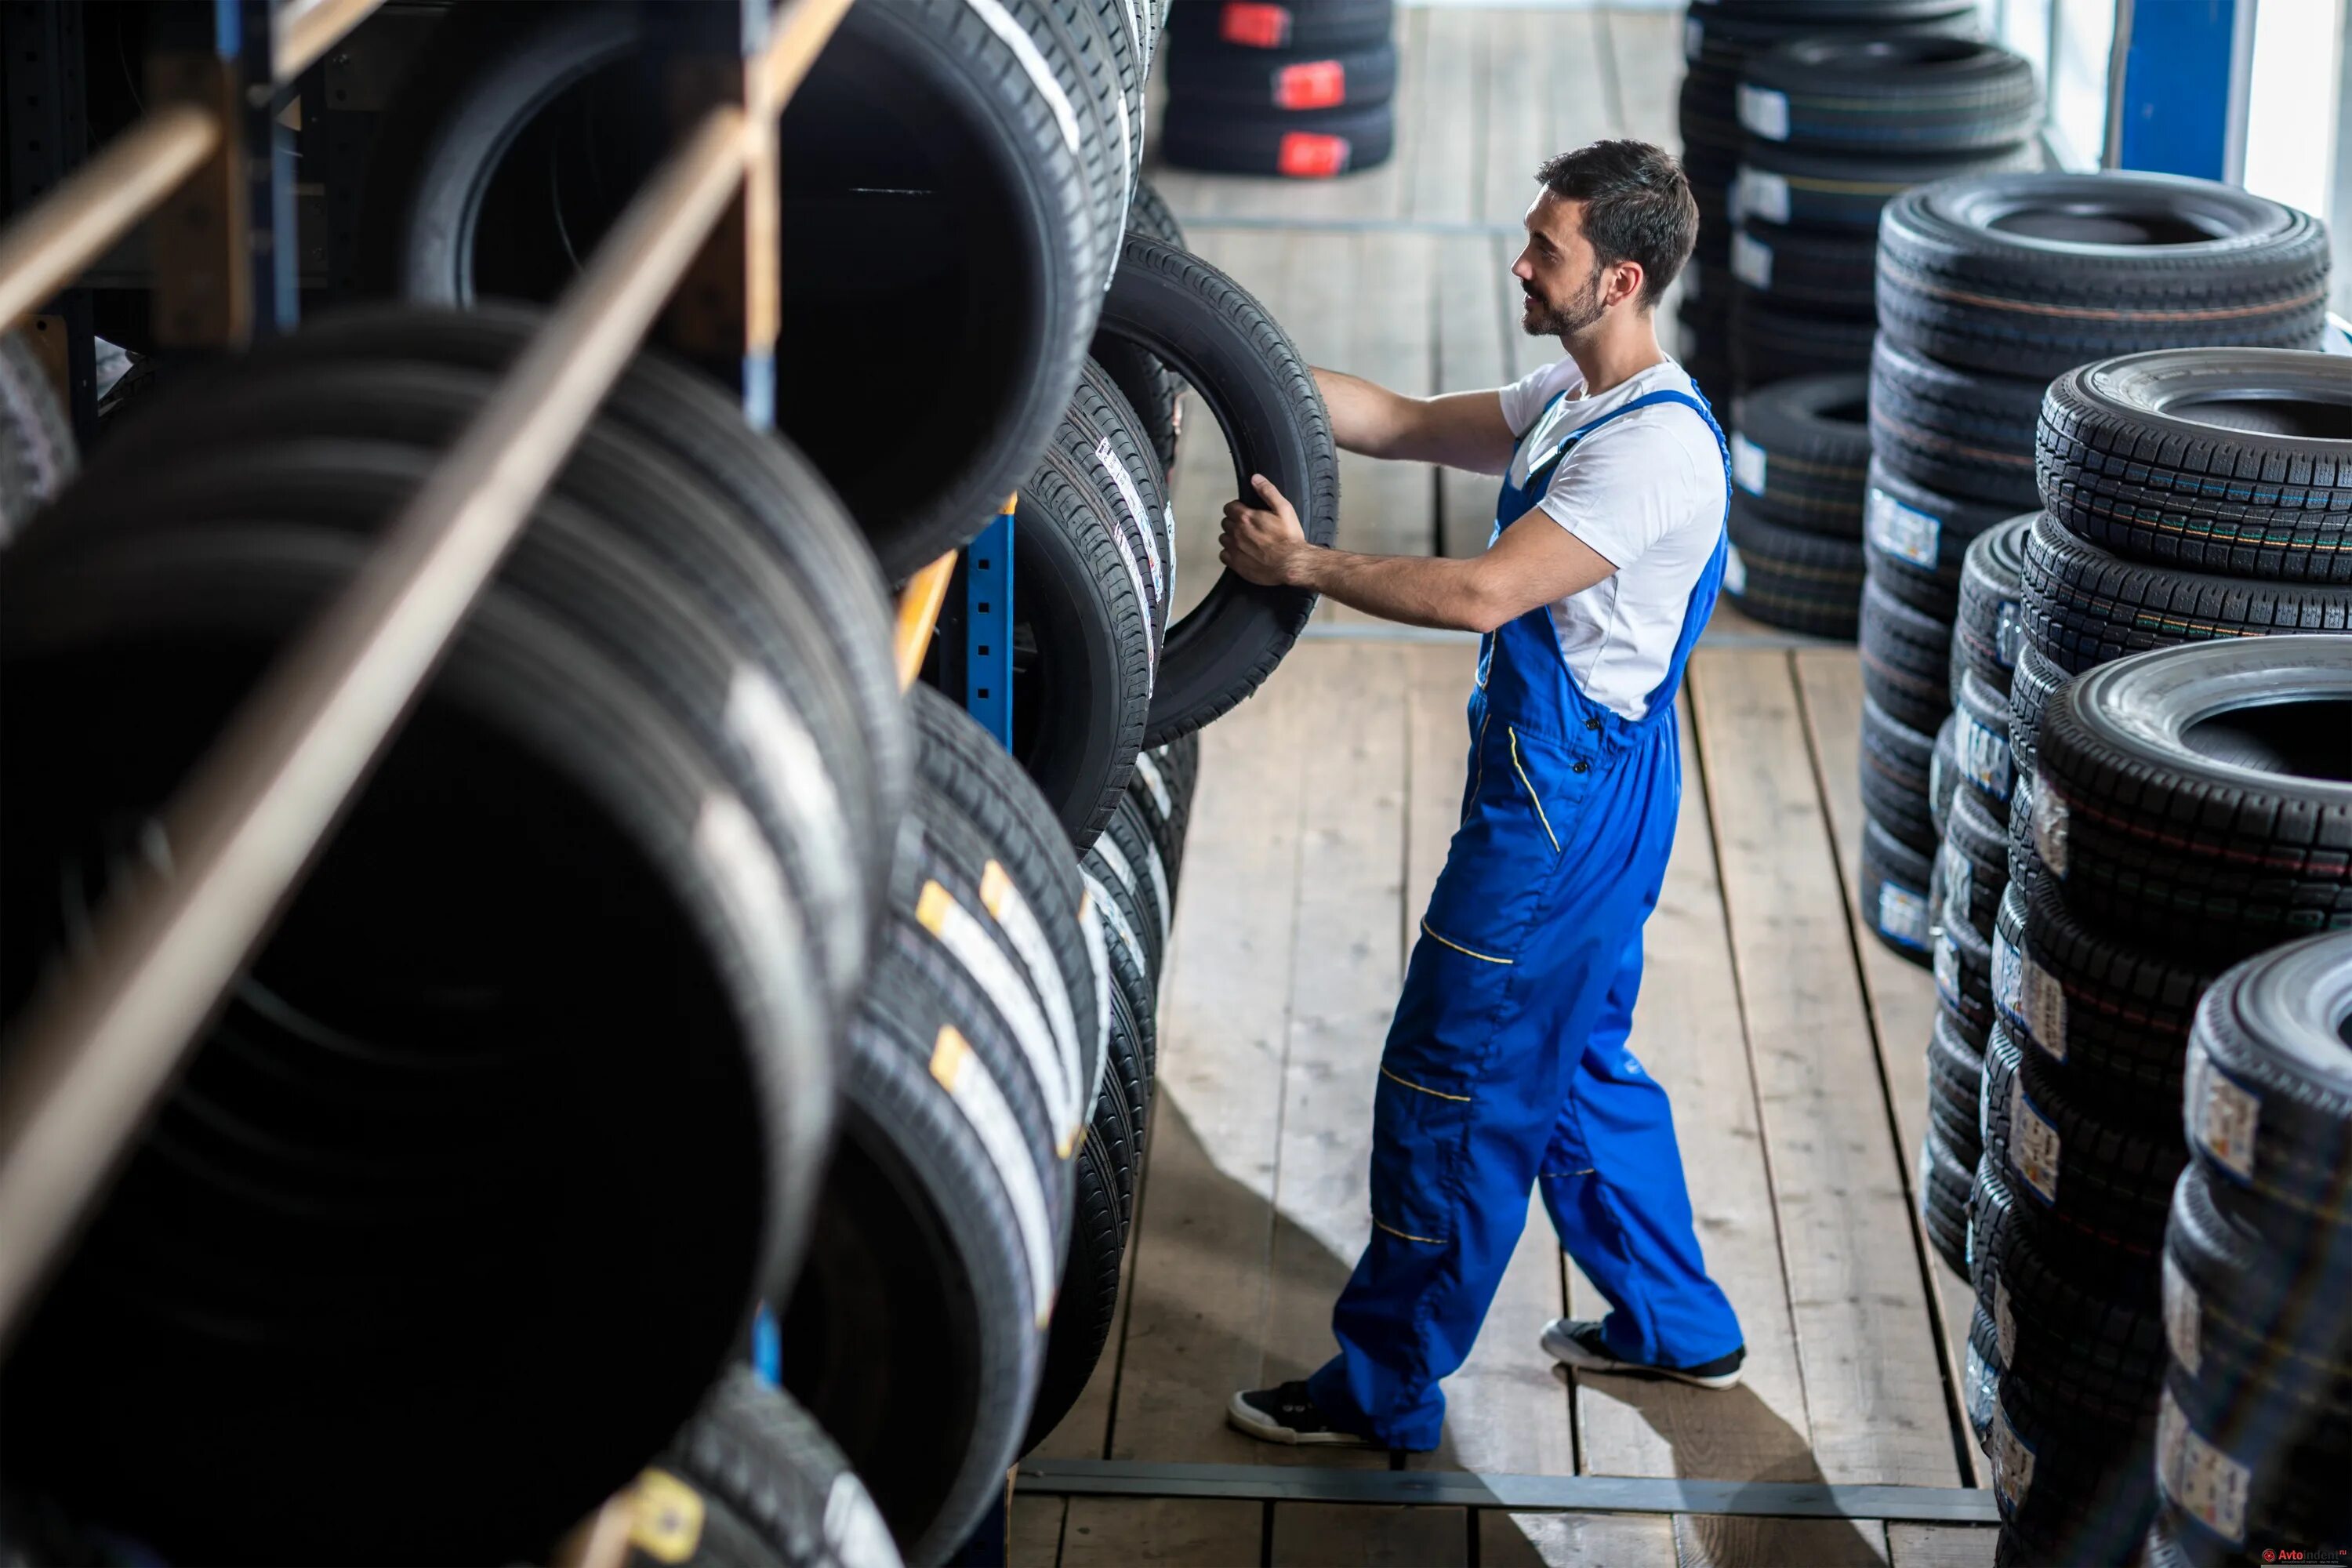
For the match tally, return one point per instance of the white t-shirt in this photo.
(1646, 491)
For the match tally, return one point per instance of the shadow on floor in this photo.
(1192, 1338)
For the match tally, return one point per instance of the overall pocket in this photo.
(1525, 803)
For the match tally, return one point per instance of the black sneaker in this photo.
(1574, 1343)
(1286, 1415)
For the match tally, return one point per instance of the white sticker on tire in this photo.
(1903, 531)
(1033, 64)
(1947, 966)
(1759, 193)
(1734, 571)
(967, 941)
(2201, 1480)
(786, 757)
(1135, 575)
(1159, 897)
(1098, 958)
(2223, 1115)
(729, 843)
(1693, 38)
(1124, 482)
(2007, 635)
(1115, 919)
(1155, 785)
(1901, 915)
(2181, 1317)
(1764, 112)
(1748, 464)
(2012, 1459)
(2042, 1006)
(2034, 1151)
(1984, 755)
(2048, 819)
(1959, 884)
(2007, 983)
(958, 1070)
(1751, 261)
(1019, 923)
(853, 1527)
(2004, 1323)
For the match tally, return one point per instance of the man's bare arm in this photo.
(1459, 429)
(1533, 563)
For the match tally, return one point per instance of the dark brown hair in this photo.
(1637, 207)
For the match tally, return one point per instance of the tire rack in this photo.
(99, 1045)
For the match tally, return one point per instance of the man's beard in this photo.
(1544, 320)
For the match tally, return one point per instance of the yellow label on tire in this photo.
(668, 1523)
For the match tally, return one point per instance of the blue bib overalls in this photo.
(1506, 1066)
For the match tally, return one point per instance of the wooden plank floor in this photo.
(1792, 1050)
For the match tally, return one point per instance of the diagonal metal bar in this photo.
(302, 30)
(1516, 1493)
(47, 244)
(95, 1050)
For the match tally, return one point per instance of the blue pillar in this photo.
(2181, 106)
(988, 627)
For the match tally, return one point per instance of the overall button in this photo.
(1578, 768)
(1592, 723)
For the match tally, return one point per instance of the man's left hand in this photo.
(1264, 542)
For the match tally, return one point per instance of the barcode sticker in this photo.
(1748, 464)
(1984, 755)
(2008, 964)
(1761, 192)
(2012, 1459)
(1959, 887)
(1751, 261)
(2049, 820)
(1903, 531)
(1948, 971)
(2181, 1317)
(2041, 1004)
(2199, 1479)
(1764, 112)
(2032, 1143)
(1901, 915)
(2225, 1116)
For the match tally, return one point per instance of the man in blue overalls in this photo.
(1507, 1066)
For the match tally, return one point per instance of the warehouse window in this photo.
(2293, 107)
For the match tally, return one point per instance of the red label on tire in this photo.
(1309, 155)
(1254, 25)
(1311, 84)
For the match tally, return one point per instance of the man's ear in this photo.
(1625, 281)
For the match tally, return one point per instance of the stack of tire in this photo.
(1303, 88)
(2254, 1432)
(1719, 37)
(1964, 813)
(1799, 457)
(1987, 288)
(1836, 125)
(575, 967)
(2178, 802)
(965, 1261)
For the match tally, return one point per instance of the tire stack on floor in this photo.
(1719, 37)
(1987, 288)
(2254, 1435)
(1800, 455)
(1967, 804)
(1296, 88)
(1836, 124)
(2174, 808)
